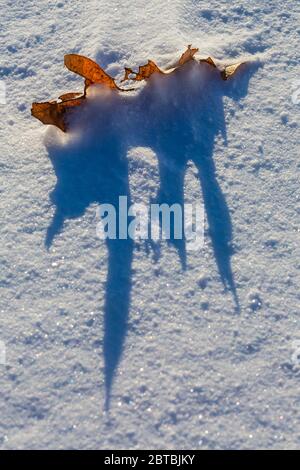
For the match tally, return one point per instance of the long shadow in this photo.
(179, 117)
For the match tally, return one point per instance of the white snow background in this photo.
(183, 366)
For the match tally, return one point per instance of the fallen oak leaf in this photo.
(55, 112)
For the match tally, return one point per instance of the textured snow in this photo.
(196, 365)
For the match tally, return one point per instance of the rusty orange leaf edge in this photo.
(55, 112)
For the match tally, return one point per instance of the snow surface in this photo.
(143, 346)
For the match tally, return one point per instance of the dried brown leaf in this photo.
(55, 112)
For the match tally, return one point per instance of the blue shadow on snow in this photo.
(179, 117)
